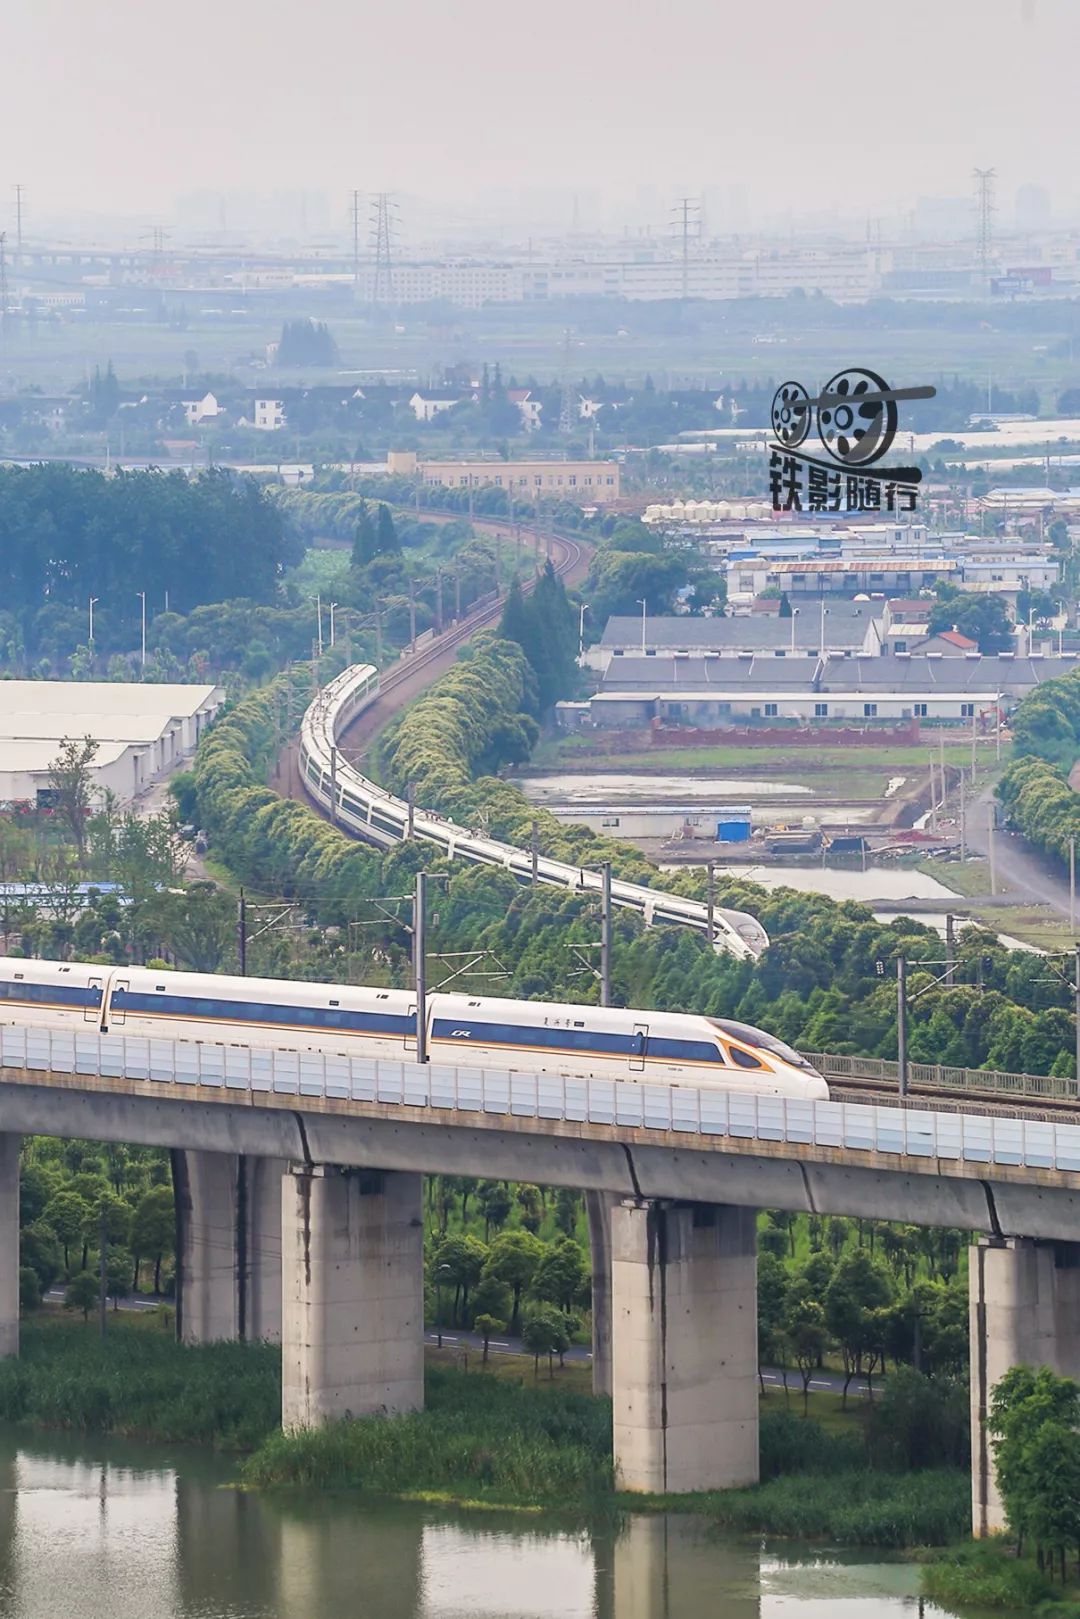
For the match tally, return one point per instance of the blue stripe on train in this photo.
(51, 994)
(307, 1017)
(600, 1043)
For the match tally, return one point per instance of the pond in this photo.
(107, 1530)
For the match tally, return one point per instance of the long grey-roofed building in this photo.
(844, 626)
(142, 731)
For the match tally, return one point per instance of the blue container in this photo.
(733, 825)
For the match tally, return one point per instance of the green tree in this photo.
(153, 1232)
(71, 785)
(983, 619)
(487, 1326)
(82, 1293)
(365, 545)
(67, 1214)
(513, 1260)
(386, 534)
(118, 1268)
(561, 1274)
(858, 1293)
(29, 1288)
(544, 1333)
(496, 1202)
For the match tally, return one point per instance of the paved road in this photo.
(1029, 875)
(824, 1381)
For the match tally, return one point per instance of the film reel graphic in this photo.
(856, 415)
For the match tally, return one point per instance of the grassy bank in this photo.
(496, 1442)
(500, 1438)
(987, 1577)
(141, 1384)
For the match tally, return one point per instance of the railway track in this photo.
(883, 1093)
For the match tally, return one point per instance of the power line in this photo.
(687, 219)
(984, 230)
(356, 206)
(382, 242)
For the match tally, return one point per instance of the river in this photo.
(108, 1530)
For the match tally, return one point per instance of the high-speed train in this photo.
(580, 1042)
(374, 814)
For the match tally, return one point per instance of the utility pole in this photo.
(412, 616)
(241, 933)
(1072, 890)
(420, 963)
(950, 947)
(963, 820)
(333, 787)
(378, 634)
(356, 243)
(901, 1025)
(710, 899)
(535, 853)
(409, 801)
(990, 850)
(566, 405)
(605, 934)
(103, 1286)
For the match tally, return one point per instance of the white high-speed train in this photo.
(372, 813)
(581, 1042)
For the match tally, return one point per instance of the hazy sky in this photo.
(123, 106)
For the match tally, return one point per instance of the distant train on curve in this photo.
(582, 1042)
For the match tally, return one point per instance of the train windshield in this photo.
(766, 1042)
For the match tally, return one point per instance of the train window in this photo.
(744, 1059)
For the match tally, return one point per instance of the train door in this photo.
(639, 1041)
(410, 1037)
(117, 1014)
(92, 1014)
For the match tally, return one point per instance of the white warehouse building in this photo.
(143, 732)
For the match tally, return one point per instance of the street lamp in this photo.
(794, 616)
(93, 603)
(318, 612)
(142, 597)
(442, 1273)
(641, 604)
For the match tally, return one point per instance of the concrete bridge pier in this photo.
(598, 1211)
(1025, 1310)
(353, 1294)
(684, 1345)
(9, 1243)
(228, 1246)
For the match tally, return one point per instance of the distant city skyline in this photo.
(777, 113)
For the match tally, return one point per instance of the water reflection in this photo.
(107, 1531)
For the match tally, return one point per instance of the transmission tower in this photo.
(382, 241)
(356, 205)
(984, 229)
(18, 224)
(686, 217)
(566, 406)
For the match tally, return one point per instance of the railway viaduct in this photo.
(300, 1218)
